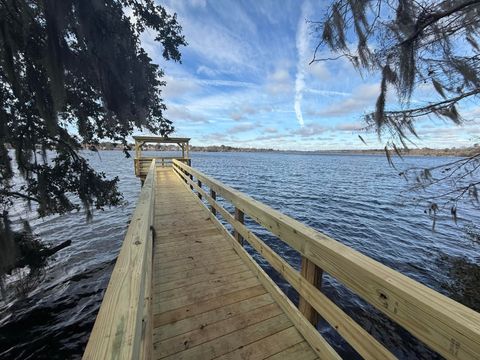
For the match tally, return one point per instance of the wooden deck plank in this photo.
(203, 288)
(206, 301)
(300, 351)
(172, 316)
(210, 331)
(267, 346)
(188, 231)
(188, 238)
(216, 277)
(198, 321)
(194, 249)
(232, 341)
(184, 268)
(191, 298)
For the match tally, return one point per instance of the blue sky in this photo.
(245, 81)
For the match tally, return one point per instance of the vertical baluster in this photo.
(239, 216)
(313, 274)
(185, 172)
(213, 195)
(199, 183)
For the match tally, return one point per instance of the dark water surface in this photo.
(355, 199)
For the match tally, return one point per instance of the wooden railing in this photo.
(444, 325)
(142, 164)
(123, 328)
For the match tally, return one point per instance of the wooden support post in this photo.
(199, 183)
(163, 162)
(213, 195)
(313, 274)
(137, 150)
(239, 216)
(137, 158)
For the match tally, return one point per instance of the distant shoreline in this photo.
(456, 152)
(413, 152)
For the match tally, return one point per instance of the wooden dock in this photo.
(184, 287)
(207, 302)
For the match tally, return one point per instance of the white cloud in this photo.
(326, 92)
(267, 138)
(270, 130)
(242, 128)
(310, 130)
(320, 71)
(226, 48)
(231, 83)
(216, 136)
(176, 113)
(472, 113)
(302, 50)
(205, 70)
(243, 111)
(362, 99)
(279, 82)
(178, 87)
(355, 126)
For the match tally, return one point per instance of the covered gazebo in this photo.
(143, 162)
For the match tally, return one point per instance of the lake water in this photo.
(358, 200)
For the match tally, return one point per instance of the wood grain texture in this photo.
(207, 301)
(122, 329)
(310, 334)
(446, 326)
(353, 333)
(312, 274)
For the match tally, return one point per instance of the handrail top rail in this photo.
(118, 328)
(160, 139)
(388, 290)
(162, 157)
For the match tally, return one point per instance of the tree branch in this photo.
(19, 195)
(433, 18)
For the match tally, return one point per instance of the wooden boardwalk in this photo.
(184, 287)
(207, 303)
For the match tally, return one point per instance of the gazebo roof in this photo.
(160, 139)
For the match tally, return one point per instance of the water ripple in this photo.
(357, 200)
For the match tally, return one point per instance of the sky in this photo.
(245, 81)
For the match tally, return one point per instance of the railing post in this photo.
(313, 274)
(185, 172)
(239, 216)
(213, 195)
(163, 162)
(191, 178)
(199, 183)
